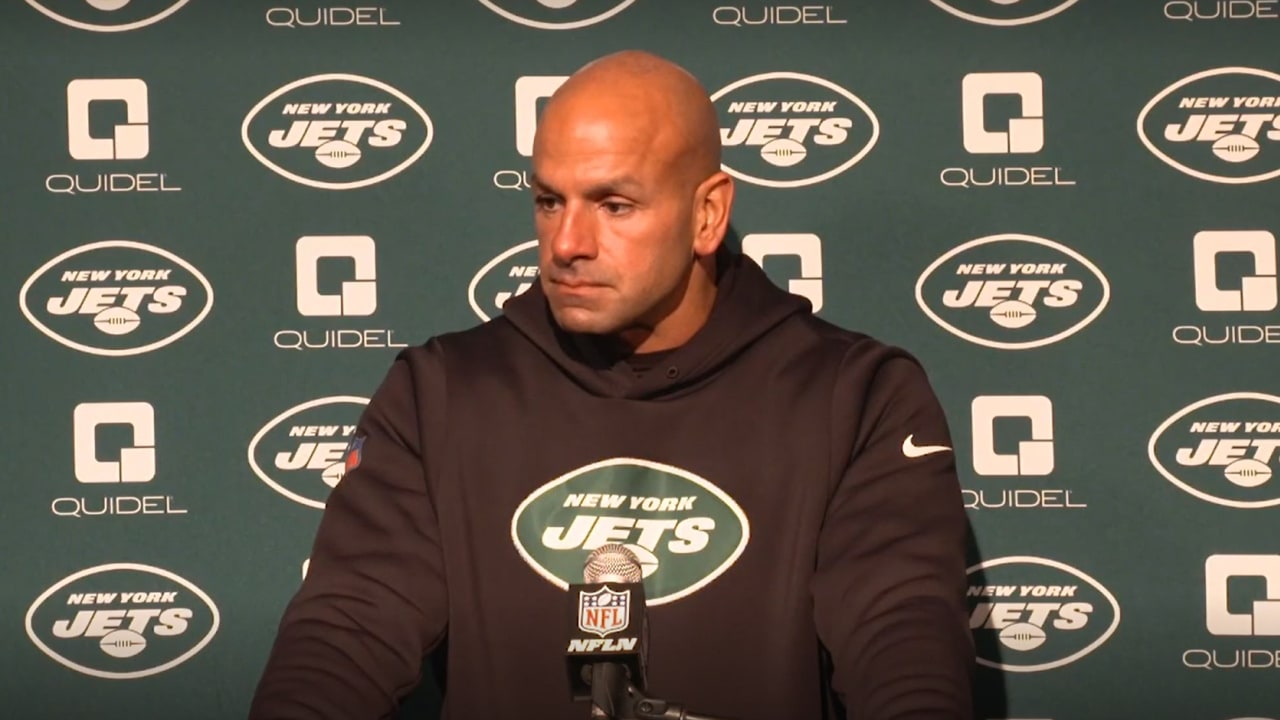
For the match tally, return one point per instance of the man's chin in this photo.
(582, 320)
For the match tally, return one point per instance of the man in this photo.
(788, 484)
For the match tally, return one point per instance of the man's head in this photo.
(630, 201)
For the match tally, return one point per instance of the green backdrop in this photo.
(221, 219)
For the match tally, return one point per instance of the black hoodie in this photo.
(787, 484)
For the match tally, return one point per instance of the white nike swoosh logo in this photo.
(911, 450)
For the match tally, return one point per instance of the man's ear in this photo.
(713, 205)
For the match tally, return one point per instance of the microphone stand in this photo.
(614, 696)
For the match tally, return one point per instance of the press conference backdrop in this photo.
(221, 220)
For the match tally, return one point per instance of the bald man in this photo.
(786, 487)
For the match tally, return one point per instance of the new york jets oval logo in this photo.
(1220, 125)
(1030, 614)
(1004, 12)
(122, 621)
(787, 129)
(304, 452)
(337, 131)
(684, 529)
(1012, 291)
(1223, 449)
(107, 15)
(116, 297)
(512, 272)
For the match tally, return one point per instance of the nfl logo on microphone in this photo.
(604, 611)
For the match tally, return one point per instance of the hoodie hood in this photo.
(747, 306)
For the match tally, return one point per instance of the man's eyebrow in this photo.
(625, 185)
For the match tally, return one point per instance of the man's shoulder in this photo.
(845, 344)
(499, 329)
(469, 346)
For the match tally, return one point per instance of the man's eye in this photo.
(546, 202)
(615, 208)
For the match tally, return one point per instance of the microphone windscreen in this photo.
(612, 562)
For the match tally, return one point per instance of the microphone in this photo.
(608, 637)
(608, 645)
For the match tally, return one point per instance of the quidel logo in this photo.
(1012, 291)
(557, 14)
(1034, 457)
(754, 15)
(1235, 274)
(789, 129)
(116, 297)
(337, 131)
(1259, 616)
(337, 277)
(108, 470)
(302, 18)
(1030, 614)
(502, 278)
(107, 15)
(1220, 125)
(122, 621)
(1004, 12)
(1013, 438)
(130, 140)
(301, 453)
(1241, 600)
(685, 530)
(1197, 10)
(1006, 134)
(1222, 449)
(96, 135)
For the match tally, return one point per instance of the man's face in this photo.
(613, 215)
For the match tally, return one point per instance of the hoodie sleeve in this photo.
(373, 603)
(890, 578)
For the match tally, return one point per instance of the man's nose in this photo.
(574, 237)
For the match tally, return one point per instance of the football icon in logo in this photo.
(1022, 636)
(338, 154)
(117, 320)
(1247, 472)
(122, 643)
(1236, 148)
(783, 152)
(1013, 314)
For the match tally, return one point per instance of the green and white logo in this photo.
(337, 131)
(116, 298)
(685, 530)
(1012, 291)
(1222, 449)
(302, 452)
(1030, 614)
(1221, 125)
(122, 621)
(786, 129)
